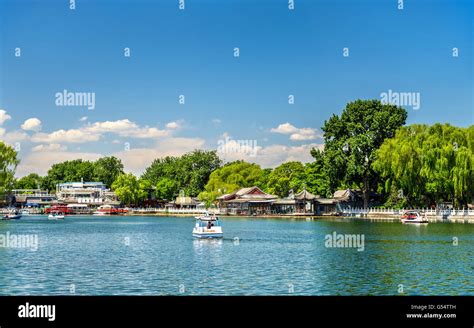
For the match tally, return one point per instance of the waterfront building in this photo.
(354, 198)
(326, 206)
(301, 203)
(36, 198)
(90, 193)
(247, 201)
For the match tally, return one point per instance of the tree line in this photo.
(368, 147)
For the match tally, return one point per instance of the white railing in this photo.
(389, 211)
(173, 210)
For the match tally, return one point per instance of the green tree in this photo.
(129, 189)
(8, 164)
(107, 169)
(166, 189)
(229, 178)
(30, 181)
(190, 171)
(352, 139)
(262, 182)
(429, 164)
(69, 171)
(288, 176)
(316, 177)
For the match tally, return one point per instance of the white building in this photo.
(93, 193)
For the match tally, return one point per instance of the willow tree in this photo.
(231, 177)
(129, 189)
(429, 164)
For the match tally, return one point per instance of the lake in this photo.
(158, 256)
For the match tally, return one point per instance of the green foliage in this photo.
(69, 171)
(231, 177)
(129, 189)
(8, 164)
(289, 175)
(429, 164)
(316, 178)
(190, 172)
(262, 182)
(166, 189)
(107, 169)
(30, 181)
(352, 139)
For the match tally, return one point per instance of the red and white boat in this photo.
(109, 210)
(413, 217)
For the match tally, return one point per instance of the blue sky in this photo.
(190, 52)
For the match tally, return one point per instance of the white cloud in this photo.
(296, 134)
(125, 128)
(95, 131)
(285, 128)
(216, 121)
(31, 124)
(304, 134)
(72, 136)
(14, 136)
(83, 119)
(173, 125)
(50, 147)
(119, 126)
(4, 116)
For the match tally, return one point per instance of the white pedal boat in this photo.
(207, 226)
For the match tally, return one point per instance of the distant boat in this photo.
(108, 210)
(413, 217)
(207, 226)
(11, 216)
(25, 212)
(56, 216)
(99, 213)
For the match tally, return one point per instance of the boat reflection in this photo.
(207, 247)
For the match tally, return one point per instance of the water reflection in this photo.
(207, 246)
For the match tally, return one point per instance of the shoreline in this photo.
(464, 219)
(370, 217)
(363, 217)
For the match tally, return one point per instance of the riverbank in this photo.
(365, 217)
(464, 217)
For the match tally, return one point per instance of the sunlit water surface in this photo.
(158, 256)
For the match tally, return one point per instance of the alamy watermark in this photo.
(75, 99)
(336, 240)
(407, 99)
(8, 240)
(228, 145)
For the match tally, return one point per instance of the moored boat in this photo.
(56, 216)
(413, 217)
(99, 213)
(207, 226)
(108, 210)
(11, 216)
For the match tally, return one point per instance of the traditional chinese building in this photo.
(301, 203)
(247, 201)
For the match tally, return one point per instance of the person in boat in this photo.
(209, 224)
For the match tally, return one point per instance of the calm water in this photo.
(158, 256)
